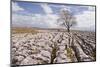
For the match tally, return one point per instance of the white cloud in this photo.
(86, 20)
(38, 20)
(52, 20)
(91, 8)
(21, 20)
(16, 7)
(46, 8)
(47, 20)
(61, 7)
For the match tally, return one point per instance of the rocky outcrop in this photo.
(51, 47)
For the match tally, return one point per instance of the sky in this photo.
(45, 15)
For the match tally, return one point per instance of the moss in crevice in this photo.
(94, 55)
(70, 54)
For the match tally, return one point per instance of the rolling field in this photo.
(34, 46)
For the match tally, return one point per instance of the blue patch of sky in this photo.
(78, 9)
(22, 13)
(35, 8)
(55, 9)
(75, 9)
(31, 8)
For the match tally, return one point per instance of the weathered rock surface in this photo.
(52, 47)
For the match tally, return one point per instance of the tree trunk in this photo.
(68, 29)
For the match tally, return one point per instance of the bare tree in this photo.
(66, 19)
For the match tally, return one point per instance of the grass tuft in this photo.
(70, 55)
